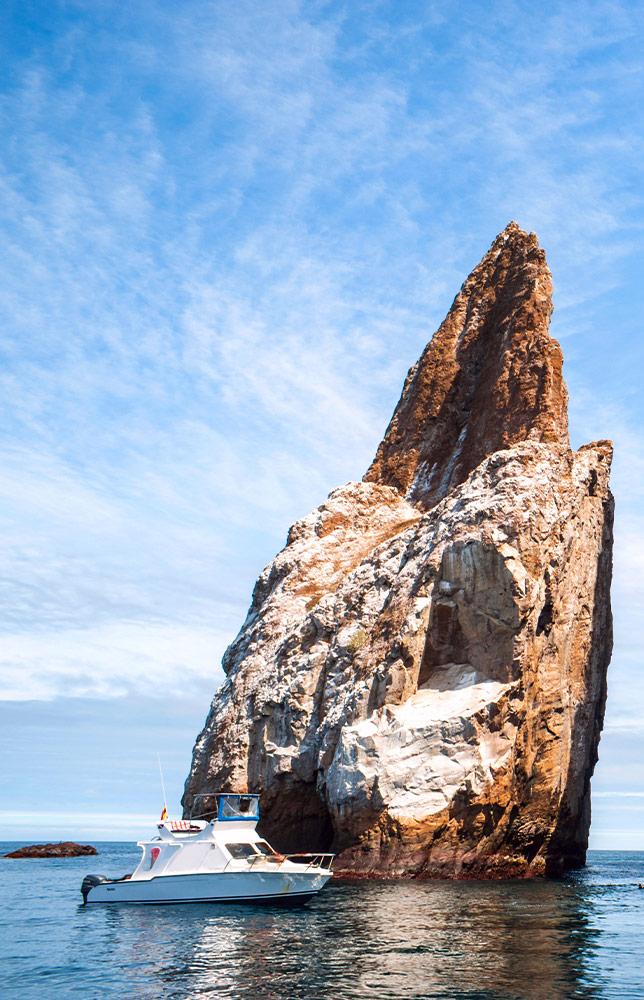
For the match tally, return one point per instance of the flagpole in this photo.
(165, 800)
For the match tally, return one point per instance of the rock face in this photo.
(420, 682)
(64, 849)
(489, 377)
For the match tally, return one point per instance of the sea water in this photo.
(582, 936)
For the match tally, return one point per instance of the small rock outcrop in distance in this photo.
(64, 849)
(420, 682)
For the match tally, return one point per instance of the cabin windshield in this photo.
(238, 807)
(241, 851)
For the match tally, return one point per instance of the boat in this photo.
(223, 859)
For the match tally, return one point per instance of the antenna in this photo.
(165, 801)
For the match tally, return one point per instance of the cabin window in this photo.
(264, 848)
(238, 807)
(241, 851)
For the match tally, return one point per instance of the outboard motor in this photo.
(89, 882)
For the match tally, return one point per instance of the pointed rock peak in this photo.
(490, 376)
(517, 236)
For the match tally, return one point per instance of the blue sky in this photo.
(229, 229)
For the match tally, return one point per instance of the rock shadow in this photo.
(473, 620)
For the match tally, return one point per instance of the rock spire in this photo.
(489, 377)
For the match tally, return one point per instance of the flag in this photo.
(164, 814)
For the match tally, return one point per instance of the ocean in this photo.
(582, 936)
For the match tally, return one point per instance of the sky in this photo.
(228, 230)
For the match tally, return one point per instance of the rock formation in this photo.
(420, 682)
(63, 849)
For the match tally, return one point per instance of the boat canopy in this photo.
(237, 807)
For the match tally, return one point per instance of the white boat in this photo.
(216, 861)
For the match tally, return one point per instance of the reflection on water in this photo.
(581, 937)
(377, 939)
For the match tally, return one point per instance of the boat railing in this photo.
(316, 860)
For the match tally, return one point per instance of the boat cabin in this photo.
(227, 842)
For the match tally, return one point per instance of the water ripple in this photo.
(580, 937)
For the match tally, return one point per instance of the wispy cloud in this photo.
(112, 660)
(45, 825)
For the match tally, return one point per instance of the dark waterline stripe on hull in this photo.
(281, 898)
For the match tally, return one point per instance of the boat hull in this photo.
(282, 888)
